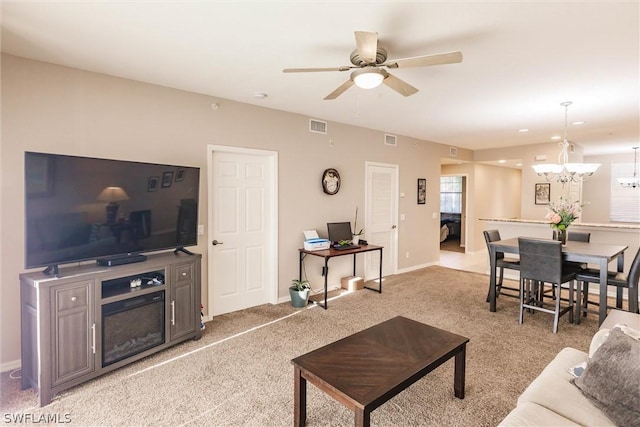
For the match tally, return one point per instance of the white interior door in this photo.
(242, 229)
(381, 222)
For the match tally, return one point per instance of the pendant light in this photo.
(631, 182)
(563, 171)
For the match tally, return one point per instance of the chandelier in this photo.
(563, 171)
(631, 182)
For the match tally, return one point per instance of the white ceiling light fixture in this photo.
(563, 171)
(368, 78)
(632, 182)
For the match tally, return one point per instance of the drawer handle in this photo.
(74, 299)
(184, 274)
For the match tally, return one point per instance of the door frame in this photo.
(393, 256)
(271, 244)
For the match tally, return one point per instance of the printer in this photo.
(314, 243)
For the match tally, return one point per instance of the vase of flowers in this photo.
(560, 216)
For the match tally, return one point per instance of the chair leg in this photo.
(619, 298)
(585, 297)
(499, 282)
(571, 304)
(556, 315)
(578, 305)
(522, 297)
(633, 299)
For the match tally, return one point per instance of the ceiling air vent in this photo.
(453, 152)
(390, 140)
(317, 126)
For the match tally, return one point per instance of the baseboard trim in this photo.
(10, 366)
(417, 267)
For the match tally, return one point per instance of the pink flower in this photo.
(553, 217)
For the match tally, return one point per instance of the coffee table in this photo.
(366, 369)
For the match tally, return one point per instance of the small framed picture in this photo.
(422, 191)
(152, 184)
(167, 179)
(543, 193)
(179, 175)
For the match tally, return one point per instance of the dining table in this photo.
(581, 252)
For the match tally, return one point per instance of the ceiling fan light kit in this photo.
(563, 171)
(367, 60)
(368, 78)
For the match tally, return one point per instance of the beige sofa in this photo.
(553, 400)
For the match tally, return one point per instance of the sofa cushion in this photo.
(553, 390)
(612, 377)
(532, 414)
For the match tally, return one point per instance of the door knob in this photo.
(393, 227)
(215, 242)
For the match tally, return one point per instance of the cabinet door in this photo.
(182, 304)
(73, 334)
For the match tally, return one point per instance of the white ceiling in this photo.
(521, 60)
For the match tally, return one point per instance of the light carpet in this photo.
(240, 374)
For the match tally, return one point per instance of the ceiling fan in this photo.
(368, 60)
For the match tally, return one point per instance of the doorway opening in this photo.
(452, 213)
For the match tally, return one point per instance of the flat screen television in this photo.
(82, 208)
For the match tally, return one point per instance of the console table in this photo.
(327, 254)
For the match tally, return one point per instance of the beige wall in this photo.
(54, 109)
(593, 191)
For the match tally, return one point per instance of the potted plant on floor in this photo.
(299, 292)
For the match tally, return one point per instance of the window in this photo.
(625, 202)
(451, 194)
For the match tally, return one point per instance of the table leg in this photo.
(459, 372)
(603, 291)
(380, 275)
(492, 279)
(299, 398)
(326, 277)
(354, 265)
(362, 417)
(300, 266)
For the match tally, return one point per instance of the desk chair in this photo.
(619, 280)
(501, 263)
(541, 262)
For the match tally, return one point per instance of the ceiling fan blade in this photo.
(423, 61)
(340, 90)
(367, 44)
(313, 70)
(400, 86)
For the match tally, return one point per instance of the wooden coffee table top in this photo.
(369, 366)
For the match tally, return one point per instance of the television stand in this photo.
(75, 326)
(121, 260)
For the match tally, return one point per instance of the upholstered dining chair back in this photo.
(575, 236)
(540, 260)
(493, 236)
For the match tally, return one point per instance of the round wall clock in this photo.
(330, 181)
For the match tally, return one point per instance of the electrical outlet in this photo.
(200, 229)
(406, 255)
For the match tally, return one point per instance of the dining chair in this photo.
(501, 263)
(619, 280)
(541, 262)
(574, 236)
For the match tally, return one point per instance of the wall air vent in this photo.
(390, 140)
(317, 126)
(453, 152)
